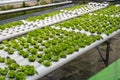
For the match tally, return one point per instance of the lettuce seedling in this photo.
(32, 57)
(11, 74)
(2, 60)
(62, 55)
(20, 76)
(36, 46)
(40, 49)
(41, 60)
(55, 58)
(2, 78)
(46, 63)
(29, 70)
(33, 50)
(1, 47)
(11, 51)
(13, 66)
(9, 61)
(4, 71)
(39, 55)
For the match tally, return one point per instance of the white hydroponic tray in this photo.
(103, 35)
(29, 26)
(16, 31)
(42, 70)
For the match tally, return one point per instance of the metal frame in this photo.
(106, 59)
(34, 7)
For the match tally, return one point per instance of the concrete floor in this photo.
(87, 64)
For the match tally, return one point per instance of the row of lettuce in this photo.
(14, 71)
(92, 24)
(39, 44)
(44, 46)
(111, 10)
(41, 17)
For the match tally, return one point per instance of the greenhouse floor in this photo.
(87, 64)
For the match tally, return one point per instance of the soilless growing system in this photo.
(34, 47)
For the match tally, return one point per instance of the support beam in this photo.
(106, 59)
(24, 5)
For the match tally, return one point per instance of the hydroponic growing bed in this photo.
(21, 27)
(39, 52)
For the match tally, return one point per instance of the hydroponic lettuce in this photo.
(2, 77)
(10, 25)
(112, 11)
(47, 45)
(11, 74)
(2, 60)
(93, 24)
(14, 71)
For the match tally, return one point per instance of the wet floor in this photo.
(87, 64)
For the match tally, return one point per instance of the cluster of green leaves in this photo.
(111, 10)
(47, 44)
(93, 24)
(15, 71)
(10, 25)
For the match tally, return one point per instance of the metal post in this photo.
(107, 52)
(106, 59)
(24, 12)
(99, 51)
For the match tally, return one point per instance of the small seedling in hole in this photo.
(11, 74)
(39, 55)
(46, 63)
(55, 58)
(40, 49)
(32, 58)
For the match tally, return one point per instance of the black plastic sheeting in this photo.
(34, 14)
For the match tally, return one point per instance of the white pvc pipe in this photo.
(34, 7)
(3, 2)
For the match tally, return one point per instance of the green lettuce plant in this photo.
(4, 71)
(11, 74)
(46, 63)
(2, 78)
(2, 60)
(32, 57)
(20, 76)
(13, 66)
